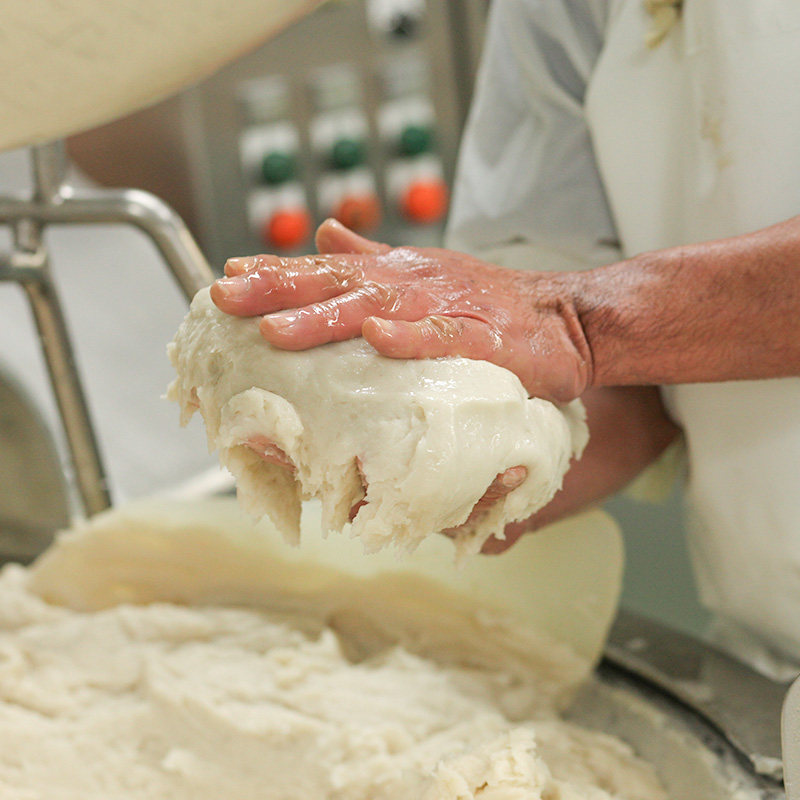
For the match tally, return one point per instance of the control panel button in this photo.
(359, 212)
(278, 166)
(425, 201)
(269, 153)
(415, 139)
(397, 18)
(287, 228)
(347, 153)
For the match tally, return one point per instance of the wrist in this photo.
(561, 365)
(635, 317)
(713, 311)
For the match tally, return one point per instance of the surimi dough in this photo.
(113, 688)
(428, 436)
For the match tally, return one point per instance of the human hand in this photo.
(630, 429)
(415, 303)
(504, 483)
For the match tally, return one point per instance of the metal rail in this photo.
(55, 202)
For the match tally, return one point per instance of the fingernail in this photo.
(279, 323)
(237, 264)
(384, 326)
(513, 477)
(233, 287)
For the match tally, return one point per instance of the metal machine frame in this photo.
(55, 202)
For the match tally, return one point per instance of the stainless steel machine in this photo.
(355, 112)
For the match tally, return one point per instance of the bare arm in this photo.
(722, 310)
(714, 311)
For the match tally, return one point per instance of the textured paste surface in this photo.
(428, 437)
(163, 701)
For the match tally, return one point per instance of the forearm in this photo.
(722, 310)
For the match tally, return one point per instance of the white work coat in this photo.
(585, 145)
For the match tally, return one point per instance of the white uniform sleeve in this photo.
(528, 193)
(527, 178)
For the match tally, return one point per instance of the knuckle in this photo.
(327, 312)
(384, 297)
(446, 329)
(273, 272)
(263, 260)
(342, 273)
(401, 256)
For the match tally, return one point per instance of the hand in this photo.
(504, 483)
(268, 451)
(630, 429)
(415, 303)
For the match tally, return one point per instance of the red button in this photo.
(287, 228)
(425, 201)
(359, 212)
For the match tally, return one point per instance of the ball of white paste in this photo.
(428, 436)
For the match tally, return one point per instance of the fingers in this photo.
(265, 284)
(494, 546)
(333, 237)
(433, 336)
(239, 266)
(270, 452)
(333, 320)
(504, 483)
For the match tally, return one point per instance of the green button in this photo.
(415, 139)
(278, 167)
(347, 153)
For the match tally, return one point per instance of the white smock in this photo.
(692, 140)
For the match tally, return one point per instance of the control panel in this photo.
(354, 112)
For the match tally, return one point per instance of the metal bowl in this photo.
(692, 759)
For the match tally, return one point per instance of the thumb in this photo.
(333, 237)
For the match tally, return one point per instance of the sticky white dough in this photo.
(428, 436)
(166, 651)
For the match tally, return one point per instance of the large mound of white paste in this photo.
(427, 436)
(139, 698)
